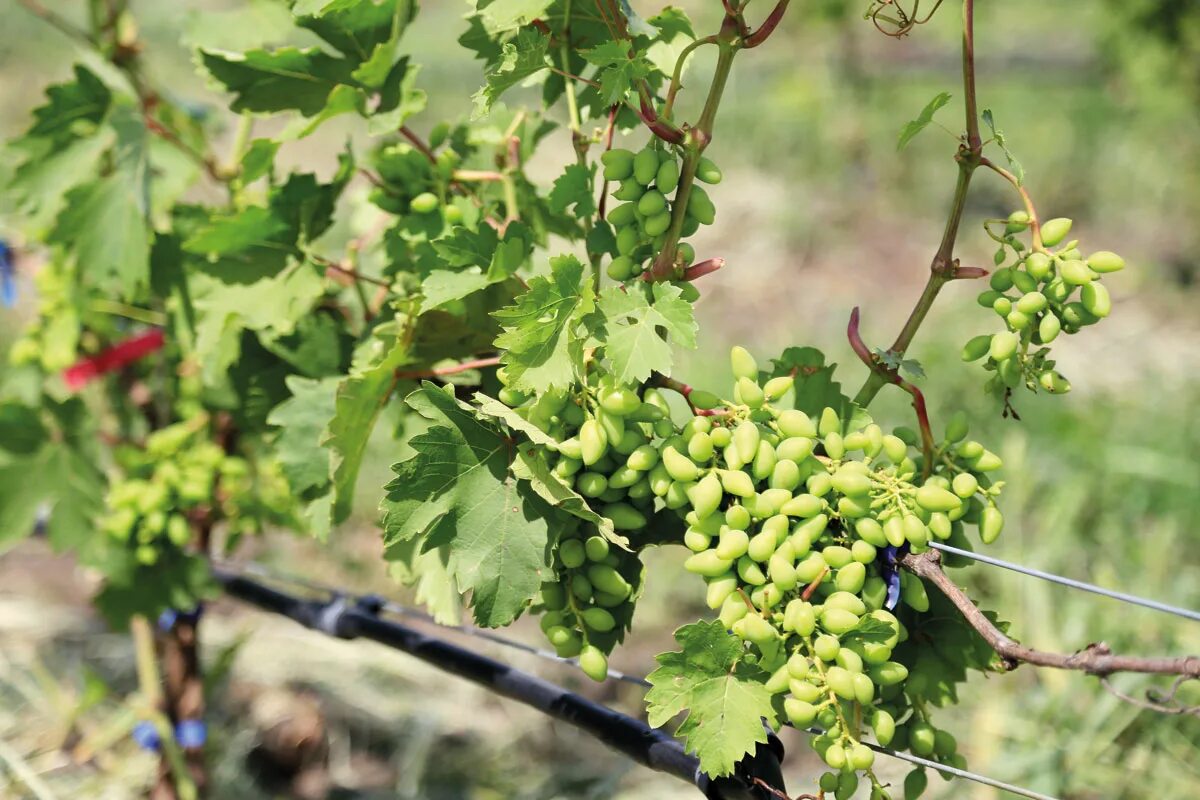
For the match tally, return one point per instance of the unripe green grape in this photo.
(798, 712)
(593, 442)
(707, 171)
(620, 402)
(729, 454)
(828, 781)
(623, 215)
(700, 207)
(838, 621)
(944, 743)
(1104, 261)
(696, 541)
(645, 166)
(721, 437)
(847, 601)
(785, 475)
(1049, 328)
(795, 449)
(776, 388)
(1055, 230)
(571, 554)
(915, 784)
(766, 596)
(834, 446)
(988, 299)
(895, 448)
(746, 439)
(737, 517)
(1096, 300)
(840, 681)
(851, 577)
(700, 446)
(778, 682)
(811, 567)
(793, 422)
(618, 164)
(889, 673)
(750, 572)
(679, 466)
(864, 689)
(1024, 282)
(593, 662)
(656, 225)
(836, 556)
(782, 572)
(732, 610)
(870, 531)
(912, 592)
(864, 552)
(991, 522)
(667, 177)
(676, 496)
(798, 665)
(758, 631)
(935, 498)
(977, 347)
(1038, 265)
(720, 589)
(1031, 303)
(1003, 345)
(732, 544)
(1075, 273)
(762, 546)
(800, 617)
(424, 203)
(1001, 280)
(851, 483)
(861, 756)
(819, 484)
(921, 736)
(623, 477)
(624, 516)
(686, 253)
(591, 484)
(749, 393)
(987, 461)
(737, 483)
(606, 579)
(965, 485)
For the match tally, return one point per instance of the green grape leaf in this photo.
(302, 420)
(500, 16)
(518, 61)
(284, 79)
(1017, 170)
(259, 160)
(636, 25)
(39, 186)
(366, 31)
(399, 99)
(913, 127)
(176, 580)
(896, 362)
(458, 492)
(815, 389)
(574, 189)
(640, 332)
(429, 572)
(531, 466)
(105, 223)
(725, 698)
(672, 32)
(70, 107)
(538, 327)
(491, 407)
(619, 71)
(21, 429)
(360, 397)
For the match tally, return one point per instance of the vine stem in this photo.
(943, 267)
(57, 22)
(1035, 225)
(1095, 659)
(892, 375)
(438, 372)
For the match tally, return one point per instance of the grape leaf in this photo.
(618, 70)
(725, 698)
(574, 188)
(399, 99)
(458, 492)
(913, 127)
(106, 221)
(636, 345)
(518, 60)
(538, 333)
(360, 397)
(85, 99)
(284, 79)
(1017, 169)
(430, 573)
(508, 15)
(302, 420)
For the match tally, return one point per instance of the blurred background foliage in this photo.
(1100, 101)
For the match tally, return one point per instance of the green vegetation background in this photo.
(1100, 100)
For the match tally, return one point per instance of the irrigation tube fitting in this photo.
(346, 618)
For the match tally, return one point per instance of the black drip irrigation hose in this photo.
(758, 776)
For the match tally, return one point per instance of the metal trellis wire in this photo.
(1071, 582)
(232, 577)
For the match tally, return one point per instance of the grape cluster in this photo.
(606, 445)
(647, 179)
(588, 607)
(1036, 297)
(415, 185)
(795, 524)
(52, 338)
(179, 472)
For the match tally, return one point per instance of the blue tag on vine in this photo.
(191, 733)
(146, 736)
(891, 575)
(8, 276)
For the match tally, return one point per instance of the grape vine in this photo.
(524, 337)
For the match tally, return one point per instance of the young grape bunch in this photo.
(1036, 297)
(647, 184)
(796, 526)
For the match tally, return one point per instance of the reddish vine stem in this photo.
(892, 375)
(768, 27)
(418, 142)
(602, 203)
(657, 125)
(812, 587)
(1035, 225)
(440, 372)
(1095, 659)
(353, 275)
